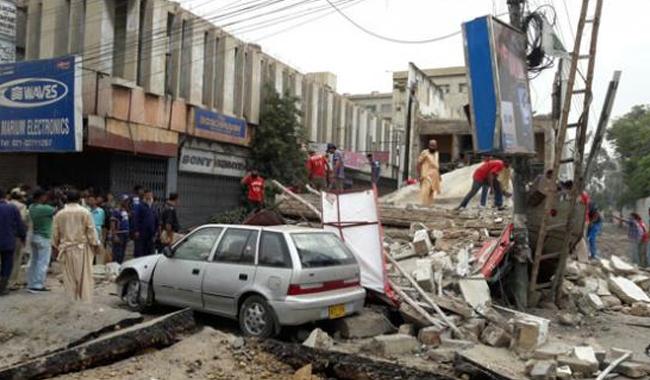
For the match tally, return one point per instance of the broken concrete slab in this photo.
(423, 274)
(590, 304)
(626, 290)
(569, 319)
(640, 309)
(577, 365)
(35, 325)
(526, 335)
(367, 324)
(456, 344)
(632, 370)
(621, 267)
(563, 372)
(552, 350)
(611, 301)
(473, 327)
(475, 291)
(319, 339)
(441, 355)
(603, 288)
(392, 345)
(160, 332)
(543, 370)
(498, 363)
(642, 281)
(495, 336)
(431, 336)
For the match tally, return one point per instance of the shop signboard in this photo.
(213, 163)
(40, 106)
(215, 126)
(502, 118)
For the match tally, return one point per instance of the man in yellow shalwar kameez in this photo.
(74, 238)
(428, 169)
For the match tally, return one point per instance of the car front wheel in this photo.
(256, 318)
(131, 294)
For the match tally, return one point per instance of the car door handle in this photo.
(243, 276)
(195, 271)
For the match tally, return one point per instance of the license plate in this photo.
(336, 311)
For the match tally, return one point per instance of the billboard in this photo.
(40, 106)
(502, 118)
(220, 127)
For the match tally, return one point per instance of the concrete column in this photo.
(174, 69)
(313, 127)
(99, 35)
(340, 133)
(226, 70)
(154, 48)
(33, 32)
(300, 102)
(363, 131)
(455, 147)
(549, 148)
(253, 84)
(76, 27)
(54, 28)
(195, 65)
(172, 176)
(209, 69)
(277, 78)
(354, 143)
(240, 70)
(132, 41)
(185, 70)
(329, 126)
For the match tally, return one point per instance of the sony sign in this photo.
(201, 161)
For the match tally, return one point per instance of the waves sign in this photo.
(40, 106)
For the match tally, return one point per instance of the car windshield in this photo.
(321, 250)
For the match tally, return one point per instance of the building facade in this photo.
(171, 101)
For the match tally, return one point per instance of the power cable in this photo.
(390, 39)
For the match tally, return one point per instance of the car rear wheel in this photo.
(131, 294)
(256, 318)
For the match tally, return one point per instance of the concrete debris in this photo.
(632, 370)
(590, 304)
(365, 325)
(640, 309)
(407, 329)
(526, 335)
(611, 301)
(319, 339)
(543, 370)
(626, 290)
(392, 345)
(457, 344)
(563, 372)
(422, 242)
(642, 281)
(441, 355)
(423, 274)
(495, 336)
(431, 336)
(473, 327)
(304, 373)
(551, 351)
(475, 291)
(620, 267)
(583, 367)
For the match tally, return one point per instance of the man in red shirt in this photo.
(484, 178)
(317, 168)
(255, 184)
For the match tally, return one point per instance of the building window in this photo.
(445, 88)
(386, 108)
(462, 88)
(372, 108)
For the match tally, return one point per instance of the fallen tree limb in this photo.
(415, 305)
(613, 365)
(424, 295)
(159, 332)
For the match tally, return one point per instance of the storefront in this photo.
(209, 175)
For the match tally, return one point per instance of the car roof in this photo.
(280, 228)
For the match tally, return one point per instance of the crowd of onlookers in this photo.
(37, 224)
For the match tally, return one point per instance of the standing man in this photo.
(375, 169)
(146, 225)
(317, 168)
(99, 217)
(485, 177)
(169, 220)
(337, 180)
(595, 226)
(120, 229)
(255, 183)
(18, 198)
(41, 214)
(11, 228)
(74, 239)
(428, 170)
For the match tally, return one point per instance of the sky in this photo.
(326, 41)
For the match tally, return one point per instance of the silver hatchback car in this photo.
(264, 277)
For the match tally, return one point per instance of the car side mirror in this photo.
(167, 251)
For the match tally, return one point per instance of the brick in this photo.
(578, 366)
(526, 336)
(365, 325)
(392, 345)
(495, 336)
(431, 336)
(543, 370)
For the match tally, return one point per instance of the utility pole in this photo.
(522, 252)
(410, 90)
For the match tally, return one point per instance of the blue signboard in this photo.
(40, 106)
(500, 102)
(220, 125)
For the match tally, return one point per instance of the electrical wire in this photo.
(390, 39)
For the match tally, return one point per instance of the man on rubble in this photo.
(11, 228)
(375, 169)
(18, 198)
(74, 239)
(428, 170)
(317, 169)
(337, 178)
(145, 222)
(485, 177)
